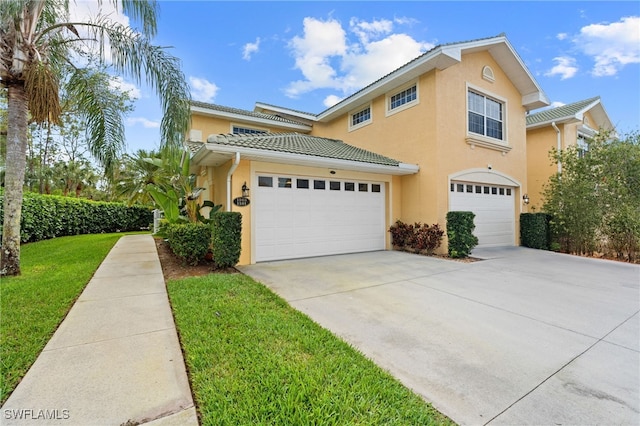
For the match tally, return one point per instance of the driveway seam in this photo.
(371, 286)
(561, 368)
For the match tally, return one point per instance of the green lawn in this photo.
(32, 305)
(255, 360)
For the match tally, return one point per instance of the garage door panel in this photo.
(495, 211)
(293, 222)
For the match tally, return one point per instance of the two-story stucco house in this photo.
(447, 131)
(559, 128)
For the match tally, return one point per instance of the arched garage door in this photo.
(493, 206)
(304, 216)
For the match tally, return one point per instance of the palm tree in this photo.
(137, 171)
(36, 43)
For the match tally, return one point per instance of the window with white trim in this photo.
(361, 117)
(486, 115)
(583, 146)
(404, 97)
(237, 130)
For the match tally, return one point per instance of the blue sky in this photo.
(308, 55)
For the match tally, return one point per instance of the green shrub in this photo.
(226, 237)
(189, 241)
(460, 233)
(534, 230)
(49, 216)
(417, 238)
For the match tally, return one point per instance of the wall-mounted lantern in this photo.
(525, 199)
(244, 200)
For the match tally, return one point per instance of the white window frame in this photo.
(362, 123)
(396, 92)
(242, 126)
(477, 139)
(582, 145)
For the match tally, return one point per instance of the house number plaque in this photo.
(241, 201)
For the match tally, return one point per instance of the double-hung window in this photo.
(486, 116)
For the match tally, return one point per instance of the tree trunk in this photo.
(14, 179)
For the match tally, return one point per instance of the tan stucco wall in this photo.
(209, 125)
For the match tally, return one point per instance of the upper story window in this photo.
(406, 96)
(402, 98)
(237, 130)
(360, 118)
(583, 146)
(486, 116)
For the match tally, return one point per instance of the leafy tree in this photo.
(36, 43)
(595, 201)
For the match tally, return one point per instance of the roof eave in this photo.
(248, 119)
(440, 58)
(200, 159)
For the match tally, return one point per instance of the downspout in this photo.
(553, 124)
(233, 168)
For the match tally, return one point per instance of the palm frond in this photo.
(145, 12)
(104, 120)
(132, 54)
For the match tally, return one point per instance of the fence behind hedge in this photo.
(49, 216)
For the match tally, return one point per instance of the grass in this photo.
(255, 360)
(32, 305)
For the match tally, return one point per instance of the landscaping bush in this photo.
(226, 234)
(50, 216)
(534, 230)
(189, 241)
(416, 238)
(460, 233)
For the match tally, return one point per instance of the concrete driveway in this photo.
(520, 337)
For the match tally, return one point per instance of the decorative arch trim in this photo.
(484, 176)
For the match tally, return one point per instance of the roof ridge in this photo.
(248, 113)
(568, 106)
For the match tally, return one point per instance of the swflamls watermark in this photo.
(35, 414)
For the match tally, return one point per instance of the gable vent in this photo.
(487, 74)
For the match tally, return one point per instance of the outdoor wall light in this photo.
(245, 190)
(525, 198)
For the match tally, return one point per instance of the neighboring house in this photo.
(446, 131)
(559, 128)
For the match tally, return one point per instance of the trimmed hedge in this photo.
(189, 241)
(50, 216)
(226, 235)
(460, 228)
(535, 231)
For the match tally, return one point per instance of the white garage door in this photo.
(494, 209)
(302, 216)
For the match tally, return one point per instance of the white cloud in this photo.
(556, 104)
(611, 45)
(146, 123)
(562, 36)
(565, 67)
(331, 100)
(123, 86)
(89, 10)
(249, 49)
(366, 30)
(329, 59)
(202, 90)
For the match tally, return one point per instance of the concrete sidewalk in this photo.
(116, 356)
